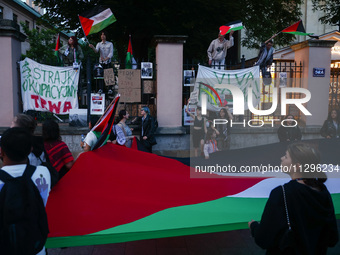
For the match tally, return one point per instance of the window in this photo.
(38, 29)
(27, 24)
(15, 18)
(1, 12)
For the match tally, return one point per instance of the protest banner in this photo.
(221, 88)
(48, 88)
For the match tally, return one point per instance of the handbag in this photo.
(287, 242)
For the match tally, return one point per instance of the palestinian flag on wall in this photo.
(103, 128)
(108, 198)
(235, 25)
(130, 62)
(96, 19)
(296, 29)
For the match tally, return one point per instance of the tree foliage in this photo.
(264, 18)
(41, 44)
(198, 19)
(331, 9)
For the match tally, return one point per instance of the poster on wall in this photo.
(189, 77)
(48, 88)
(187, 120)
(97, 104)
(78, 118)
(147, 71)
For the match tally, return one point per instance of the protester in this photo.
(290, 131)
(304, 204)
(57, 151)
(72, 53)
(147, 126)
(91, 138)
(124, 133)
(16, 145)
(265, 58)
(210, 145)
(223, 127)
(37, 156)
(331, 128)
(217, 50)
(105, 50)
(199, 129)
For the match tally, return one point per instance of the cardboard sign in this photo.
(129, 95)
(109, 77)
(129, 79)
(148, 87)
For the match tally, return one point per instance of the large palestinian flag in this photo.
(96, 19)
(115, 194)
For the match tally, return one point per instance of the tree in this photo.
(198, 19)
(264, 18)
(41, 44)
(331, 9)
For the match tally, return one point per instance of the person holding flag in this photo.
(217, 50)
(265, 59)
(105, 50)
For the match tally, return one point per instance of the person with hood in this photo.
(299, 216)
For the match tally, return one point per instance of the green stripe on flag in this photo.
(297, 33)
(224, 214)
(100, 26)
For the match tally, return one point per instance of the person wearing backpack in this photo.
(147, 126)
(38, 155)
(24, 190)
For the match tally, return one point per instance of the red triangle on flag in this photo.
(57, 46)
(86, 24)
(224, 30)
(293, 28)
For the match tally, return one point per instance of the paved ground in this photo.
(237, 242)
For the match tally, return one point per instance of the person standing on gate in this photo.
(105, 50)
(72, 53)
(16, 144)
(265, 58)
(217, 50)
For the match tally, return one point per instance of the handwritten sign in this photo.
(148, 87)
(129, 78)
(48, 88)
(129, 85)
(109, 77)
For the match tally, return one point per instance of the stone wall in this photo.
(175, 142)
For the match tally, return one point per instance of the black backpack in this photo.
(23, 219)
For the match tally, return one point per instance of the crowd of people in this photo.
(298, 217)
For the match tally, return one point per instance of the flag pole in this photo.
(273, 36)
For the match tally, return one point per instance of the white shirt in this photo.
(105, 50)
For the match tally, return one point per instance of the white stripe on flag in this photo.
(101, 16)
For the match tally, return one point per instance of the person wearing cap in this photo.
(217, 50)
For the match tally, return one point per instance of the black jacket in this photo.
(328, 129)
(289, 133)
(311, 215)
(148, 128)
